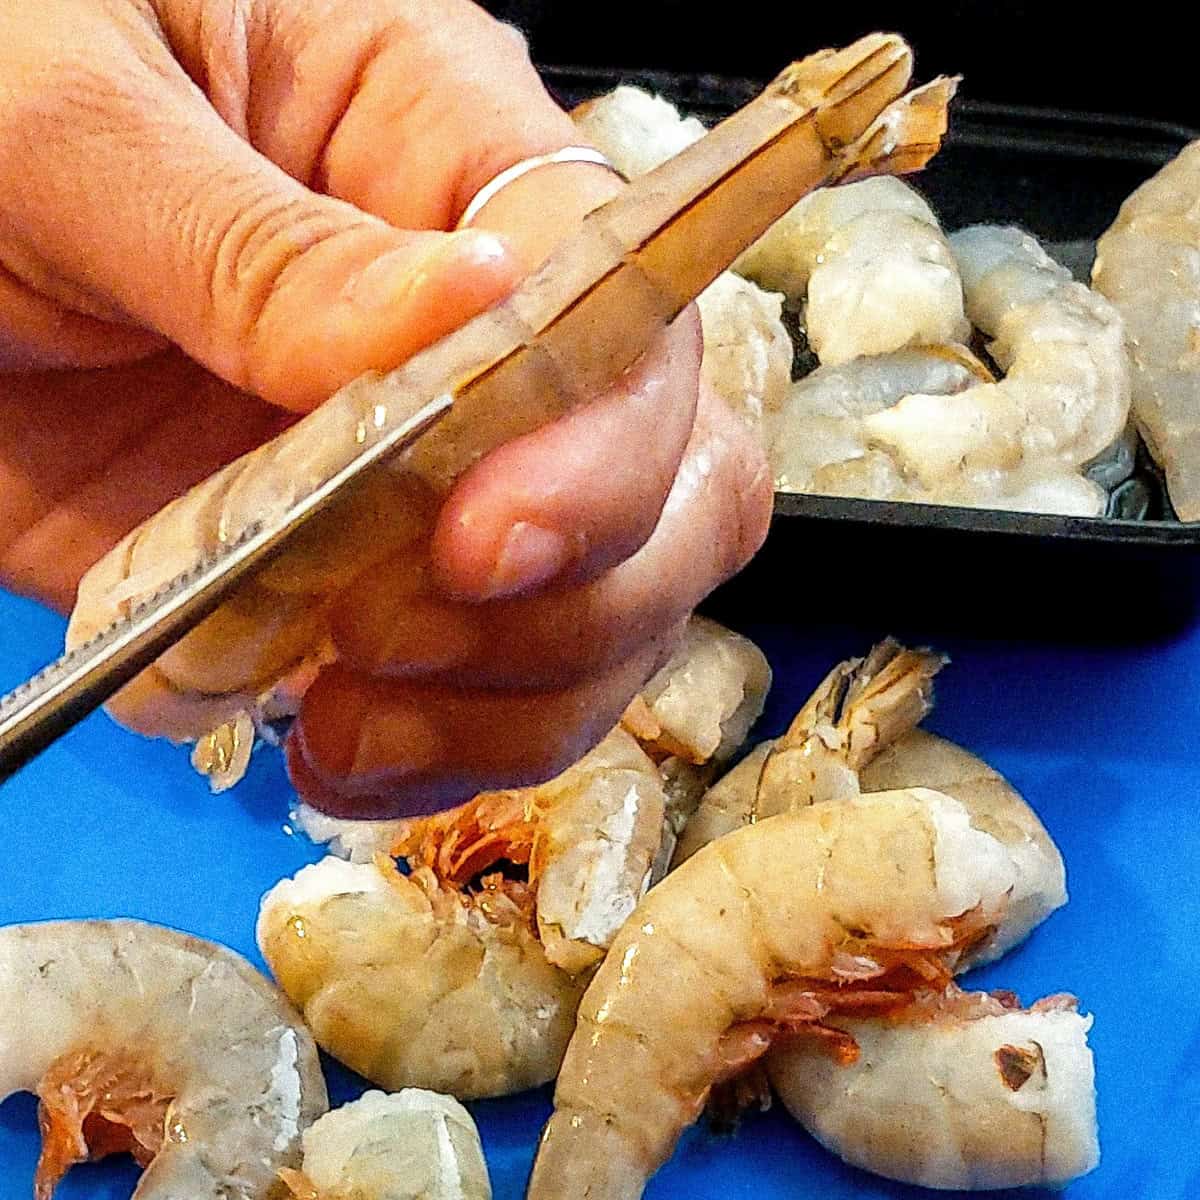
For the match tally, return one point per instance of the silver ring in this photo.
(568, 154)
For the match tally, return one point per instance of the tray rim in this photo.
(982, 123)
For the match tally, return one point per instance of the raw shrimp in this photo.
(955, 1091)
(871, 264)
(816, 441)
(860, 707)
(1148, 265)
(856, 735)
(573, 327)
(690, 718)
(143, 1039)
(413, 984)
(414, 1145)
(589, 838)
(635, 130)
(747, 351)
(1065, 396)
(852, 904)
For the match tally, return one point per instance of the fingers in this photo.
(434, 700)
(395, 620)
(366, 746)
(280, 290)
(578, 496)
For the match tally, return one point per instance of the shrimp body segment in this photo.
(413, 1145)
(956, 1091)
(139, 1038)
(1148, 265)
(747, 351)
(414, 985)
(781, 911)
(1066, 393)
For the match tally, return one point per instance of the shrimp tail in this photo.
(861, 707)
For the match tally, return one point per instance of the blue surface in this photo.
(1102, 741)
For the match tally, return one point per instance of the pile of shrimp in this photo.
(906, 403)
(826, 893)
(463, 976)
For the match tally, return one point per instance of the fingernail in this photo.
(529, 556)
(382, 281)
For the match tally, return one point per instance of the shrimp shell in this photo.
(783, 898)
(946, 1098)
(1148, 265)
(413, 985)
(208, 1031)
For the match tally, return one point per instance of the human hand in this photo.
(215, 212)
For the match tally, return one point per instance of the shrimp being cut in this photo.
(583, 318)
(1064, 398)
(413, 1145)
(137, 1038)
(872, 267)
(1148, 265)
(956, 1090)
(848, 905)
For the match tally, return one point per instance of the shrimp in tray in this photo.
(849, 906)
(1148, 265)
(954, 1090)
(872, 267)
(1021, 441)
(137, 1038)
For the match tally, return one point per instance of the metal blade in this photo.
(40, 710)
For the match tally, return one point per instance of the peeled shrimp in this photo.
(414, 1145)
(747, 352)
(954, 1091)
(635, 130)
(871, 264)
(568, 331)
(1148, 265)
(1064, 398)
(139, 1038)
(856, 735)
(816, 441)
(415, 985)
(852, 903)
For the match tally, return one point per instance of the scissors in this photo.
(569, 330)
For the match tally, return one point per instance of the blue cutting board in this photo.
(1101, 740)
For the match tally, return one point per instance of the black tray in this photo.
(1062, 176)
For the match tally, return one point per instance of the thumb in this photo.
(183, 228)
